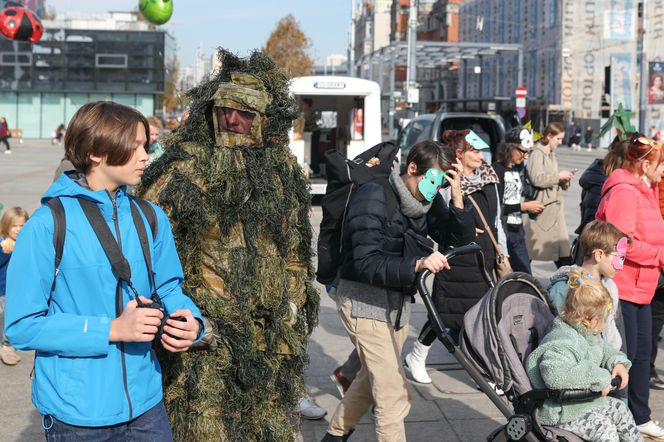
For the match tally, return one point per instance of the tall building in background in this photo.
(202, 65)
(438, 20)
(567, 46)
(372, 29)
(82, 58)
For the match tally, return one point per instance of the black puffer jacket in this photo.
(374, 238)
(458, 289)
(591, 182)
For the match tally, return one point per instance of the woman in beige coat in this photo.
(546, 235)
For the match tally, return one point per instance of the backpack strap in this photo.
(149, 213)
(108, 242)
(112, 249)
(59, 232)
(143, 237)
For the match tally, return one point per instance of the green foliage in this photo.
(620, 120)
(240, 222)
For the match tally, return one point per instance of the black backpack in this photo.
(60, 226)
(344, 178)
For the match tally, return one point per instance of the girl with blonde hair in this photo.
(10, 224)
(573, 355)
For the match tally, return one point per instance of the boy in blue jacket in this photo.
(95, 374)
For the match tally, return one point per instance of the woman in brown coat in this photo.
(546, 235)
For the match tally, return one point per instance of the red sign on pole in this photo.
(521, 92)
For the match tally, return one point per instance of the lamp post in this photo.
(412, 94)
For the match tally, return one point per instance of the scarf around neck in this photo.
(483, 175)
(409, 206)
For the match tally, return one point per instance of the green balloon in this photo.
(156, 11)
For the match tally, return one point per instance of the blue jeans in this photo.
(516, 246)
(150, 426)
(638, 343)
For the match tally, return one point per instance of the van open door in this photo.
(341, 113)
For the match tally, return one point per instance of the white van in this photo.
(341, 113)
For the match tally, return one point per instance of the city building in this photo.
(335, 64)
(82, 58)
(372, 27)
(569, 47)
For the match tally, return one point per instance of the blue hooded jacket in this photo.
(80, 377)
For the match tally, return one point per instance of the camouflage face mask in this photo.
(239, 111)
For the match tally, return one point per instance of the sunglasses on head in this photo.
(638, 138)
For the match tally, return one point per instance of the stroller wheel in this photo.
(518, 426)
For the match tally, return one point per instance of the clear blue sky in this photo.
(239, 26)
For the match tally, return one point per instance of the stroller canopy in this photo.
(504, 327)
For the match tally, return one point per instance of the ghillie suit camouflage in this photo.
(238, 204)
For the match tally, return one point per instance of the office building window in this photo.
(15, 58)
(111, 61)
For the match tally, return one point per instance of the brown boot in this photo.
(9, 356)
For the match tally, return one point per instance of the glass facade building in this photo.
(43, 84)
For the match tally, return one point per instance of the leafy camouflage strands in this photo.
(240, 219)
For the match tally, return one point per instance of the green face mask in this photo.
(430, 183)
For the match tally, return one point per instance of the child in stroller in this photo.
(574, 356)
(499, 334)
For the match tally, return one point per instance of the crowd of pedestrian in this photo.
(607, 292)
(601, 294)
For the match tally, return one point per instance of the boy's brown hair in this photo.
(600, 235)
(104, 129)
(8, 219)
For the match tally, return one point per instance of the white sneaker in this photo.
(415, 362)
(8, 152)
(309, 409)
(498, 391)
(651, 431)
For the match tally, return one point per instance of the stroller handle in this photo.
(566, 396)
(441, 330)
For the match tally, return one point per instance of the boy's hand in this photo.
(179, 335)
(607, 390)
(620, 370)
(136, 324)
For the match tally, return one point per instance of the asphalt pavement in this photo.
(450, 409)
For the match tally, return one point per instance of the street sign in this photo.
(413, 95)
(521, 93)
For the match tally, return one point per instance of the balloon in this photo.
(19, 23)
(156, 11)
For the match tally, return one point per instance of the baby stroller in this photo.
(499, 333)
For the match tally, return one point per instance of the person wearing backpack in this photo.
(88, 317)
(376, 276)
(450, 223)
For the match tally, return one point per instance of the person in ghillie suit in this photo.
(238, 203)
